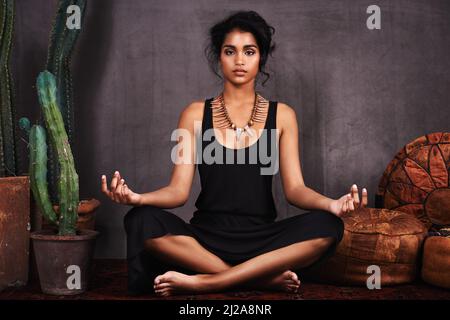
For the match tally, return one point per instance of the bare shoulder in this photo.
(191, 114)
(194, 111)
(286, 116)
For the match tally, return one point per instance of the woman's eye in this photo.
(248, 52)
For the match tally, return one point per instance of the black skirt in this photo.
(234, 239)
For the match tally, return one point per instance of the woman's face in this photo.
(239, 57)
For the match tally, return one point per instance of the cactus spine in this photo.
(68, 189)
(7, 112)
(62, 42)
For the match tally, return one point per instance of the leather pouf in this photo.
(389, 239)
(436, 261)
(416, 181)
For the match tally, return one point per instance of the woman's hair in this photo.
(248, 21)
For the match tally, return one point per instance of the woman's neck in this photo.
(239, 96)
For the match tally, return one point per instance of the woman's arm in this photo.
(295, 191)
(176, 193)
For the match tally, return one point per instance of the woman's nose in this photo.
(239, 59)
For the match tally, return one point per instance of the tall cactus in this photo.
(68, 190)
(7, 112)
(62, 42)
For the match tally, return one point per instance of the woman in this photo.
(233, 239)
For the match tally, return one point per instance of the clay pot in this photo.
(64, 262)
(86, 215)
(14, 231)
(86, 220)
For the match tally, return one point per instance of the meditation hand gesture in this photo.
(349, 202)
(120, 192)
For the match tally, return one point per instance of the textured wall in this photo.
(360, 94)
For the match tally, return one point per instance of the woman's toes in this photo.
(161, 286)
(162, 278)
(292, 288)
(162, 292)
(166, 292)
(157, 280)
(293, 276)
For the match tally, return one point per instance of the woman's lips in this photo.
(239, 72)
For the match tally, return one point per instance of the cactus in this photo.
(38, 172)
(7, 112)
(62, 42)
(24, 124)
(68, 190)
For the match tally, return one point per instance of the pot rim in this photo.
(50, 235)
(86, 206)
(15, 177)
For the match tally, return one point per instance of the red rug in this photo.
(110, 278)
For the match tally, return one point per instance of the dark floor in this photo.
(109, 283)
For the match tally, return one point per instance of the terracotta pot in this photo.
(64, 262)
(14, 231)
(86, 215)
(86, 220)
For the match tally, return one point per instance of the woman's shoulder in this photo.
(194, 106)
(286, 117)
(285, 111)
(193, 111)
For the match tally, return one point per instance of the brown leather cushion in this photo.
(390, 239)
(436, 261)
(416, 181)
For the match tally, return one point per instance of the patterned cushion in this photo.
(389, 239)
(416, 181)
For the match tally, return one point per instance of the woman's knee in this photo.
(134, 217)
(335, 225)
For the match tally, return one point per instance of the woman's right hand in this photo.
(120, 192)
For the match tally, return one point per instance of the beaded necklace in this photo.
(224, 121)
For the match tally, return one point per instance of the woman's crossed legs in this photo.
(271, 270)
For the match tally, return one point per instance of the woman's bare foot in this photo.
(173, 282)
(288, 281)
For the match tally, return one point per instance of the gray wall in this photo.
(360, 95)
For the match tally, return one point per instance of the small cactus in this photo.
(68, 189)
(24, 124)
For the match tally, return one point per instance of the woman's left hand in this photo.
(348, 202)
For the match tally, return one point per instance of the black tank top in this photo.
(236, 195)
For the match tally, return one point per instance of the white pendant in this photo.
(248, 130)
(238, 133)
